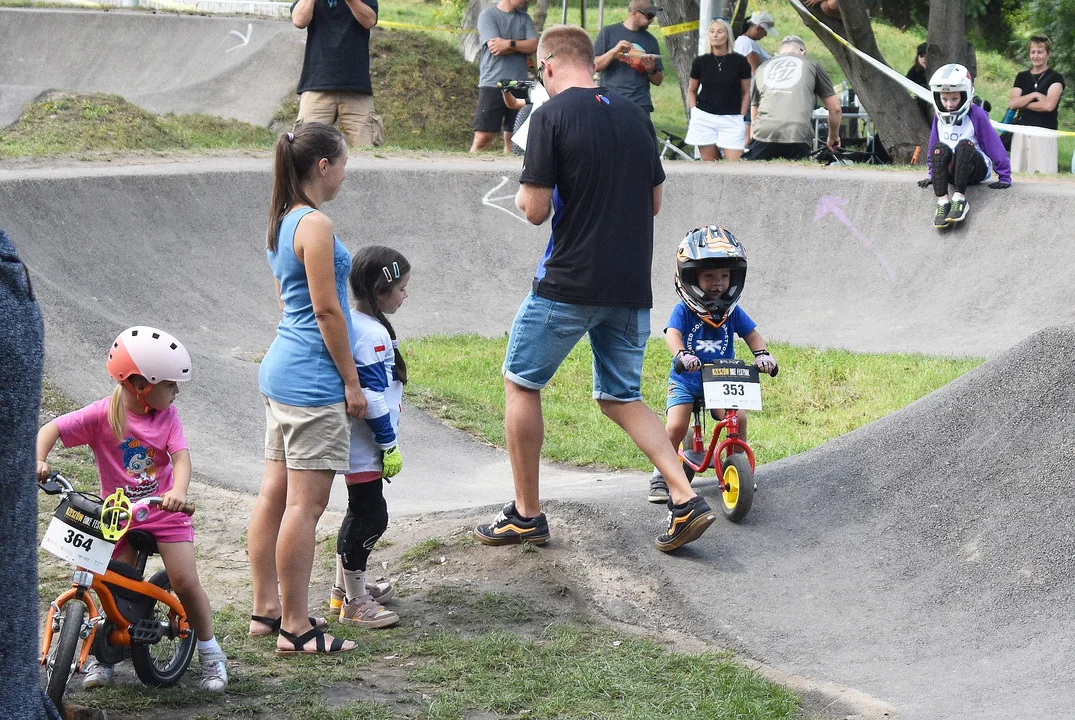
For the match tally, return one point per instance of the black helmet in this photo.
(710, 247)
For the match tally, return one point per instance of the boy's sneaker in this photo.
(380, 592)
(941, 218)
(97, 674)
(658, 488)
(214, 671)
(507, 527)
(958, 211)
(686, 523)
(366, 612)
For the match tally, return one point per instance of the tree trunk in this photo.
(541, 11)
(896, 118)
(682, 47)
(948, 37)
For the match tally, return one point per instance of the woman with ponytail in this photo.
(310, 387)
(379, 277)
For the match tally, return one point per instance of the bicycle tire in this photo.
(520, 118)
(150, 671)
(738, 495)
(62, 658)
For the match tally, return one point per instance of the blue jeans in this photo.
(545, 331)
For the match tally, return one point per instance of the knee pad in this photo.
(938, 168)
(966, 154)
(365, 522)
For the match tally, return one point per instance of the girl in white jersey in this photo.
(379, 277)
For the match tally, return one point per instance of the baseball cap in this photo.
(645, 7)
(765, 20)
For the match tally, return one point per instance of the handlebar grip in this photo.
(678, 365)
(187, 509)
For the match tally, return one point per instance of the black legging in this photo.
(366, 520)
(961, 167)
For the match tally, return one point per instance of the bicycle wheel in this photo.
(520, 118)
(738, 493)
(163, 663)
(62, 658)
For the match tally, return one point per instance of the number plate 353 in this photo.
(77, 547)
(734, 387)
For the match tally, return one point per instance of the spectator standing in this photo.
(718, 109)
(628, 56)
(758, 26)
(507, 36)
(591, 161)
(1035, 98)
(335, 86)
(782, 103)
(917, 75)
(22, 354)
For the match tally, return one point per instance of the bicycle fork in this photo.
(81, 581)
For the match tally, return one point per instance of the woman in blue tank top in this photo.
(310, 386)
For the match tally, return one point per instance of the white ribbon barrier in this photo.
(924, 93)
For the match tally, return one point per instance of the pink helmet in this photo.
(149, 352)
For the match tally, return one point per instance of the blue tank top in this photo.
(297, 369)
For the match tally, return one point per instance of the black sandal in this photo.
(298, 644)
(274, 625)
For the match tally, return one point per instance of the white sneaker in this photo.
(97, 674)
(214, 671)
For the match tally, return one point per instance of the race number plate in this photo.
(732, 386)
(77, 547)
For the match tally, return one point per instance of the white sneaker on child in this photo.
(214, 671)
(97, 674)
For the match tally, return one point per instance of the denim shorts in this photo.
(545, 331)
(680, 394)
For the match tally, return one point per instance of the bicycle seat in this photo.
(142, 542)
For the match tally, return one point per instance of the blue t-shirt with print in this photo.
(705, 342)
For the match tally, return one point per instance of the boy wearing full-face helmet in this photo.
(963, 147)
(711, 269)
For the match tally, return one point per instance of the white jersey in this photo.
(375, 359)
(951, 135)
(745, 45)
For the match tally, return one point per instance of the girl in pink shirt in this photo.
(138, 444)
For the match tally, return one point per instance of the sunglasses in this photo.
(541, 69)
(649, 15)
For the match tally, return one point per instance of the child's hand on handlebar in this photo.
(690, 362)
(42, 470)
(173, 501)
(765, 362)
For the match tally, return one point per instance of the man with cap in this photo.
(782, 104)
(628, 57)
(758, 26)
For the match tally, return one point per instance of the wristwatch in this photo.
(511, 44)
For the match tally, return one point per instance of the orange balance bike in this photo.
(727, 385)
(132, 617)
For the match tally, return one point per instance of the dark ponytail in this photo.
(294, 157)
(377, 269)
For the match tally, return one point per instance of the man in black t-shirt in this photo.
(591, 161)
(335, 86)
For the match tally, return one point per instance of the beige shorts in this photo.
(350, 111)
(308, 438)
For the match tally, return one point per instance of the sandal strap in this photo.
(298, 642)
(272, 623)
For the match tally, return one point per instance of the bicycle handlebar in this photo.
(681, 368)
(57, 484)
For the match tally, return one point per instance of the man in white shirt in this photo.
(759, 25)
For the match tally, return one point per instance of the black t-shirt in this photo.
(721, 78)
(337, 49)
(1028, 83)
(598, 151)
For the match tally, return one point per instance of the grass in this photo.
(818, 395)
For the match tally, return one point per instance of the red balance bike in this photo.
(727, 385)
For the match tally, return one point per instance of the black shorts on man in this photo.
(492, 115)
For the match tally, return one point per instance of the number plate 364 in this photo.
(77, 547)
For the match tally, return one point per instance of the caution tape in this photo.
(680, 28)
(916, 89)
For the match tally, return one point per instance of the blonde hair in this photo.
(730, 41)
(117, 413)
(566, 42)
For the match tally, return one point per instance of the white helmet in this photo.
(952, 78)
(149, 352)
